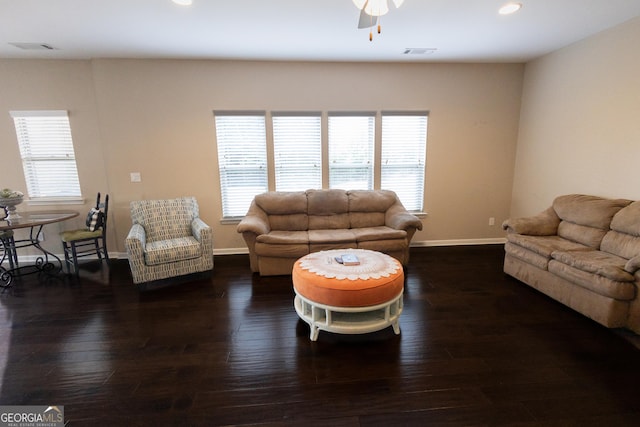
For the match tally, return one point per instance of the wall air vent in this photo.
(33, 46)
(419, 50)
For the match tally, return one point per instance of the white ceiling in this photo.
(309, 30)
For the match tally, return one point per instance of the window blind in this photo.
(242, 158)
(297, 149)
(403, 156)
(48, 158)
(351, 148)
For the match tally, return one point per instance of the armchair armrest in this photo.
(199, 229)
(401, 219)
(136, 241)
(543, 224)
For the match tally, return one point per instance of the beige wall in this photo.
(580, 122)
(155, 117)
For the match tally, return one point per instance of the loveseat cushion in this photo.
(587, 210)
(172, 250)
(624, 238)
(599, 284)
(586, 219)
(596, 262)
(544, 245)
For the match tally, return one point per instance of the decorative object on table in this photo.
(9, 199)
(88, 241)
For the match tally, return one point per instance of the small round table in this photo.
(348, 299)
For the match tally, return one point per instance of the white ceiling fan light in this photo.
(371, 11)
(376, 7)
(509, 8)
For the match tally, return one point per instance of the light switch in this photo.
(135, 177)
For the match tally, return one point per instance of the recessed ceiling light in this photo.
(183, 2)
(510, 8)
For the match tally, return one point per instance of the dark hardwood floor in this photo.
(477, 348)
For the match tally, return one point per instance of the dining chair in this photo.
(88, 241)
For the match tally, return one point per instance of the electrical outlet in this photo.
(135, 177)
(41, 237)
(492, 221)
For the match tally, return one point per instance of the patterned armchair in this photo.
(168, 239)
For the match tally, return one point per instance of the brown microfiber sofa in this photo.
(281, 227)
(583, 251)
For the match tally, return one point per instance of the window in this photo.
(351, 148)
(404, 143)
(296, 151)
(242, 158)
(297, 147)
(48, 159)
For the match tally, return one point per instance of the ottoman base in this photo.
(349, 320)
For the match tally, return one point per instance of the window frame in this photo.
(29, 134)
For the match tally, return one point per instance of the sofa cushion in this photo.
(370, 200)
(386, 246)
(281, 251)
(597, 262)
(544, 245)
(366, 219)
(171, 250)
(331, 236)
(599, 284)
(588, 236)
(282, 202)
(289, 222)
(627, 220)
(281, 237)
(328, 209)
(526, 255)
(623, 245)
(378, 233)
(587, 210)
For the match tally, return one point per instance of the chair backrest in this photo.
(165, 219)
(105, 209)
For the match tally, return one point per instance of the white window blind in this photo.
(242, 158)
(297, 149)
(404, 143)
(351, 148)
(48, 159)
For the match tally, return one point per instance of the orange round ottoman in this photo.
(348, 299)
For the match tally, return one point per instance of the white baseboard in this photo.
(244, 251)
(459, 242)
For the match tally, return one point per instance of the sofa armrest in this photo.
(136, 241)
(633, 265)
(544, 224)
(255, 221)
(401, 219)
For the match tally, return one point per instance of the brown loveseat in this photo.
(281, 227)
(583, 251)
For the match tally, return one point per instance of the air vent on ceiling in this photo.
(33, 46)
(419, 50)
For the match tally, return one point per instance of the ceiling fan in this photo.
(371, 10)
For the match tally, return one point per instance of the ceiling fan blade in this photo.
(366, 20)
